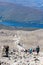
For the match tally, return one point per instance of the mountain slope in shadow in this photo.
(15, 12)
(16, 28)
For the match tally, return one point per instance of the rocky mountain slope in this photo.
(30, 38)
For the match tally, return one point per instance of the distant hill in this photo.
(16, 28)
(15, 12)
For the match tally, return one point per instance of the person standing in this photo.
(37, 49)
(30, 50)
(7, 50)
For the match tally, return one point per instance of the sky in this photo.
(37, 3)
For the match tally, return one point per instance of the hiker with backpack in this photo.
(37, 49)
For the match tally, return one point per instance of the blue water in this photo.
(22, 24)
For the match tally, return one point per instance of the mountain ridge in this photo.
(36, 3)
(15, 12)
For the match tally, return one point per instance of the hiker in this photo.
(34, 50)
(6, 50)
(37, 50)
(30, 50)
(0, 62)
(25, 51)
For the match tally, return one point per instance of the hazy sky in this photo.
(26, 2)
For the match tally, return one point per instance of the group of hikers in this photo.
(6, 50)
(37, 50)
